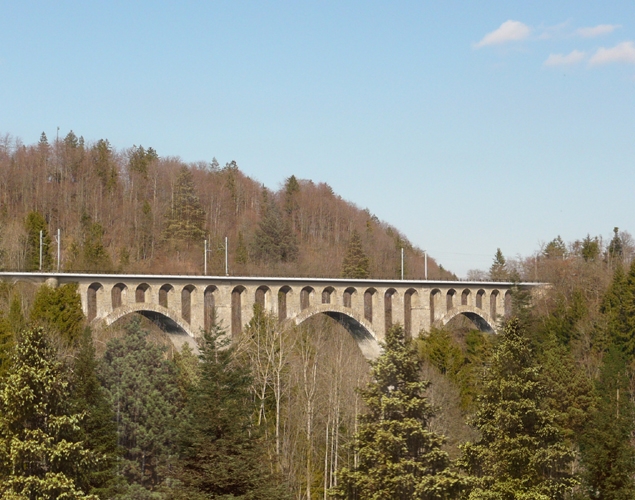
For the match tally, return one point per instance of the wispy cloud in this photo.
(509, 31)
(622, 53)
(573, 57)
(599, 30)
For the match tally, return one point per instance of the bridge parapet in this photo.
(195, 302)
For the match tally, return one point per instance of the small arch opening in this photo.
(282, 302)
(479, 298)
(237, 326)
(262, 293)
(326, 294)
(449, 299)
(407, 311)
(140, 293)
(209, 307)
(368, 304)
(388, 296)
(116, 295)
(305, 297)
(186, 302)
(465, 297)
(164, 295)
(91, 300)
(493, 299)
(348, 297)
(435, 298)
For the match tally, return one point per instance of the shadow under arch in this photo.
(359, 328)
(174, 327)
(480, 318)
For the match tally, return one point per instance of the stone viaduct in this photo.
(183, 305)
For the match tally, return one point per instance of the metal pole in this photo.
(425, 253)
(41, 232)
(205, 268)
(226, 260)
(401, 263)
(59, 253)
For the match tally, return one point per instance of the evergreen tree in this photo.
(590, 248)
(6, 343)
(139, 159)
(105, 165)
(356, 264)
(274, 240)
(186, 218)
(398, 456)
(41, 456)
(143, 391)
(35, 223)
(241, 250)
(521, 453)
(498, 271)
(98, 430)
(607, 453)
(60, 310)
(222, 454)
(616, 248)
(555, 249)
(618, 308)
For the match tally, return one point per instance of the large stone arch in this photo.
(178, 330)
(357, 326)
(480, 318)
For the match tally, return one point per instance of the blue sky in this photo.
(467, 125)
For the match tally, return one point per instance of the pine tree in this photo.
(398, 456)
(498, 270)
(241, 250)
(616, 248)
(35, 223)
(6, 343)
(98, 430)
(618, 308)
(356, 264)
(186, 218)
(41, 455)
(222, 454)
(143, 391)
(607, 453)
(60, 310)
(521, 453)
(274, 240)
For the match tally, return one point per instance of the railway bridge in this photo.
(184, 305)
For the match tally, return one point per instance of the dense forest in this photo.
(133, 211)
(542, 410)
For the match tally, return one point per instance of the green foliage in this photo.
(274, 240)
(555, 249)
(462, 364)
(139, 159)
(562, 321)
(606, 447)
(590, 250)
(398, 456)
(41, 455)
(618, 307)
(241, 250)
(104, 164)
(6, 343)
(291, 188)
(222, 454)
(16, 317)
(60, 310)
(89, 255)
(35, 223)
(498, 271)
(186, 219)
(616, 248)
(98, 431)
(521, 453)
(356, 264)
(143, 391)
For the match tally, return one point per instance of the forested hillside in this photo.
(544, 410)
(133, 211)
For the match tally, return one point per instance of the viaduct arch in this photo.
(184, 305)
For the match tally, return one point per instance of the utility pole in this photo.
(226, 258)
(41, 237)
(401, 263)
(207, 249)
(59, 248)
(205, 260)
(425, 255)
